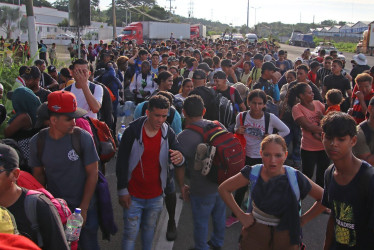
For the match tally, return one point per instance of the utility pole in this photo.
(114, 20)
(31, 30)
(248, 14)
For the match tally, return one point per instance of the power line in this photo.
(130, 6)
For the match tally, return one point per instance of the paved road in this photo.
(313, 232)
(294, 52)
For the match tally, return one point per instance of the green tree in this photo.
(63, 23)
(244, 29)
(328, 23)
(62, 5)
(9, 20)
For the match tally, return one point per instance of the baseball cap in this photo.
(298, 59)
(51, 69)
(267, 58)
(268, 66)
(172, 59)
(64, 102)
(258, 57)
(204, 66)
(199, 74)
(220, 75)
(8, 157)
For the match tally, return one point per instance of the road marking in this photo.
(159, 240)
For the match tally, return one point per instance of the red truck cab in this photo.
(195, 31)
(133, 32)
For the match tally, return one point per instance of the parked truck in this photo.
(147, 31)
(197, 31)
(299, 39)
(366, 45)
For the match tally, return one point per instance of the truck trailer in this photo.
(155, 31)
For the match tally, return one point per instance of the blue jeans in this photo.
(202, 208)
(88, 238)
(143, 213)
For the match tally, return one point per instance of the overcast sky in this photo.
(287, 11)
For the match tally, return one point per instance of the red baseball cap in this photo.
(65, 102)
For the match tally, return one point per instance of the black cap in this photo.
(199, 74)
(8, 157)
(268, 66)
(204, 66)
(258, 57)
(220, 75)
(51, 69)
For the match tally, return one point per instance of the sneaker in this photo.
(171, 232)
(207, 163)
(201, 151)
(231, 220)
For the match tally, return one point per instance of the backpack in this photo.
(225, 110)
(7, 222)
(105, 145)
(229, 158)
(225, 107)
(292, 179)
(267, 120)
(31, 213)
(367, 132)
(170, 117)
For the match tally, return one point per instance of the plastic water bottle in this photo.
(120, 132)
(74, 226)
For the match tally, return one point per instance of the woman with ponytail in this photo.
(308, 114)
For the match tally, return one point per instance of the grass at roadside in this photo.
(341, 46)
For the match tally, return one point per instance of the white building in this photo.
(46, 20)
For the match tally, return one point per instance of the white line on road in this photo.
(159, 240)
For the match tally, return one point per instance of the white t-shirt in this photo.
(81, 99)
(255, 131)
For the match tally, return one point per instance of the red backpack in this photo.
(104, 142)
(229, 158)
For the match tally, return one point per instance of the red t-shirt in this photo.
(312, 77)
(357, 114)
(145, 182)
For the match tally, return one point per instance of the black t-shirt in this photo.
(45, 80)
(49, 222)
(358, 69)
(353, 215)
(208, 96)
(337, 82)
(43, 94)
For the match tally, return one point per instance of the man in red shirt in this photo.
(146, 158)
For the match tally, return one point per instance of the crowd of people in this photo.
(294, 118)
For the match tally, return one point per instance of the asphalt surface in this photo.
(314, 232)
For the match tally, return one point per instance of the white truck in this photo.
(146, 31)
